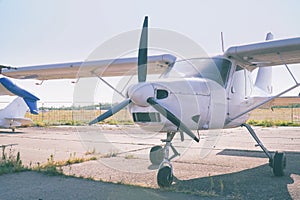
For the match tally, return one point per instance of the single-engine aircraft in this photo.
(192, 94)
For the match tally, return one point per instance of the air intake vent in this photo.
(161, 94)
(146, 117)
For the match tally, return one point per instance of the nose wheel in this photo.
(160, 156)
(165, 176)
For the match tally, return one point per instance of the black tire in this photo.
(165, 177)
(157, 155)
(279, 164)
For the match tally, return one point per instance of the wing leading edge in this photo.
(268, 53)
(104, 68)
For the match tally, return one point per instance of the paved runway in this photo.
(225, 162)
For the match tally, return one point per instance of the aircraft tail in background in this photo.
(264, 76)
(7, 87)
(13, 114)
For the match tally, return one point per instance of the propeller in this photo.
(171, 117)
(143, 53)
(111, 111)
(136, 95)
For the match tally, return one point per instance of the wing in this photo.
(269, 53)
(114, 67)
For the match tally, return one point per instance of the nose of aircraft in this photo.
(140, 92)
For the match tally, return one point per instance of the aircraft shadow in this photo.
(12, 133)
(153, 167)
(254, 183)
(243, 153)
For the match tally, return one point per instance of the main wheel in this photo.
(165, 176)
(279, 163)
(157, 155)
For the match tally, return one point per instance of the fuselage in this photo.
(205, 93)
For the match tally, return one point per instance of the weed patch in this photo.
(52, 167)
(10, 161)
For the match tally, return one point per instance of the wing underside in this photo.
(103, 68)
(268, 53)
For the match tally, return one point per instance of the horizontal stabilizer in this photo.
(22, 121)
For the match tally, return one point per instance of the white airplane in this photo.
(12, 116)
(193, 94)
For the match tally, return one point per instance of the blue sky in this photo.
(40, 32)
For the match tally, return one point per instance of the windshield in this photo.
(216, 69)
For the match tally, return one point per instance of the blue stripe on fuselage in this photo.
(29, 98)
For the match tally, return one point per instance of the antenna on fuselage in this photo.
(222, 41)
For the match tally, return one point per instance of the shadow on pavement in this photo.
(255, 183)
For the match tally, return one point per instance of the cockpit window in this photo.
(216, 69)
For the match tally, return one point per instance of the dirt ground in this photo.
(224, 165)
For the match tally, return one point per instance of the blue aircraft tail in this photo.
(29, 98)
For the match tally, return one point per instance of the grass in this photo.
(88, 152)
(10, 162)
(271, 123)
(110, 154)
(52, 167)
(130, 156)
(262, 117)
(77, 118)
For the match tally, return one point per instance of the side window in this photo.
(238, 83)
(241, 85)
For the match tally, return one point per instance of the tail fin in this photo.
(16, 109)
(264, 75)
(29, 98)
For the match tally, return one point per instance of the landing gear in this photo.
(277, 162)
(165, 176)
(161, 155)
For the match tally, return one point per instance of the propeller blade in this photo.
(111, 111)
(143, 53)
(171, 117)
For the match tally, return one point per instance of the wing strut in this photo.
(109, 85)
(297, 84)
(287, 67)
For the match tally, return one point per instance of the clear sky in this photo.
(53, 31)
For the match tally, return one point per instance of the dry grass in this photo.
(277, 114)
(82, 117)
(76, 117)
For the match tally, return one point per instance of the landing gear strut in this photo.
(159, 155)
(277, 162)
